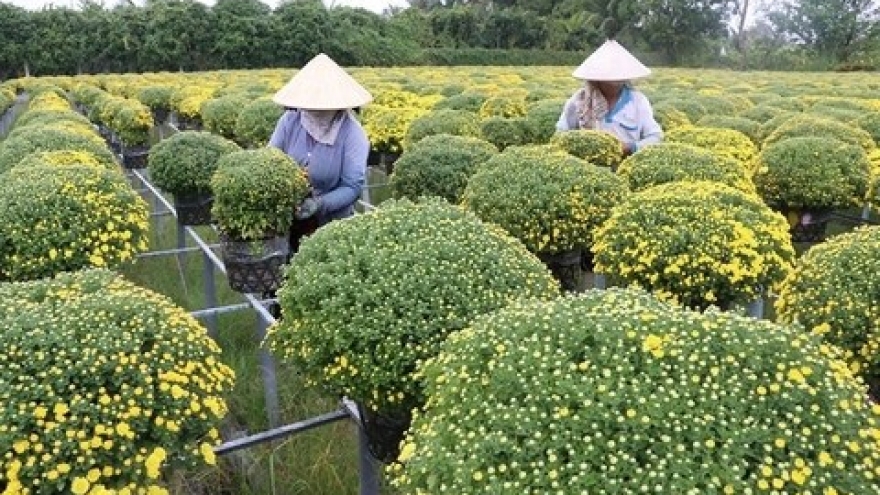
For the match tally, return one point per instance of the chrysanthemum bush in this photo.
(366, 299)
(48, 138)
(107, 387)
(256, 193)
(256, 122)
(55, 219)
(185, 162)
(439, 165)
(813, 126)
(552, 203)
(669, 162)
(600, 148)
(220, 114)
(835, 292)
(695, 243)
(750, 128)
(63, 158)
(454, 122)
(727, 142)
(611, 392)
(812, 172)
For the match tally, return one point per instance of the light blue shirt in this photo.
(337, 172)
(631, 119)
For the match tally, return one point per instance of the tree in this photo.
(14, 26)
(679, 27)
(178, 33)
(835, 28)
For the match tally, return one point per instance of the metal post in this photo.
(756, 308)
(267, 368)
(599, 281)
(210, 295)
(181, 244)
(368, 466)
(866, 212)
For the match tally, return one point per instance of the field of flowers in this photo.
(457, 315)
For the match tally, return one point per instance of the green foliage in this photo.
(256, 192)
(693, 110)
(870, 122)
(156, 97)
(613, 382)
(132, 384)
(834, 294)
(761, 113)
(808, 125)
(439, 165)
(504, 106)
(50, 117)
(812, 172)
(750, 128)
(503, 132)
(470, 102)
(836, 28)
(64, 158)
(14, 149)
(695, 243)
(552, 203)
(256, 122)
(670, 162)
(422, 271)
(542, 116)
(63, 219)
(184, 163)
(726, 142)
(599, 148)
(220, 114)
(453, 122)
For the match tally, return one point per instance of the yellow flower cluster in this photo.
(834, 292)
(610, 391)
(112, 388)
(727, 142)
(695, 243)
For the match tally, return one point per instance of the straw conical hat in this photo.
(611, 62)
(322, 85)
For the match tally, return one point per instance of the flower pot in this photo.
(567, 267)
(193, 209)
(806, 226)
(135, 157)
(255, 267)
(384, 432)
(160, 116)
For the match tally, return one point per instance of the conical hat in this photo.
(322, 85)
(611, 62)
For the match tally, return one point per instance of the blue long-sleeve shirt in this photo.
(337, 172)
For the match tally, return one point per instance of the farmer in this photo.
(320, 132)
(608, 101)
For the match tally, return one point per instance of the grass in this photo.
(323, 461)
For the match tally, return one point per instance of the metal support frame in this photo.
(212, 263)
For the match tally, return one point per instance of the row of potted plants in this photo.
(65, 204)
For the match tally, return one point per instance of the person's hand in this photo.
(627, 148)
(307, 209)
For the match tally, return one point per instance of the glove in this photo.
(308, 208)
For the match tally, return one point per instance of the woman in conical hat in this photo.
(320, 132)
(608, 102)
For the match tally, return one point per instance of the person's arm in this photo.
(356, 147)
(652, 133)
(282, 131)
(568, 121)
